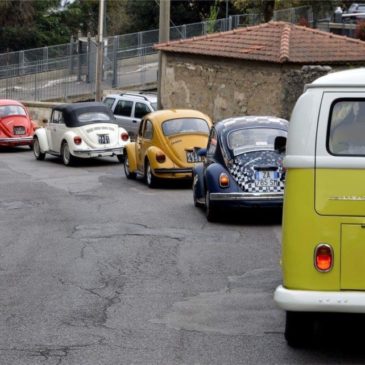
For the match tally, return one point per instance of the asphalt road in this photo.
(97, 269)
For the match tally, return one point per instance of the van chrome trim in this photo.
(347, 198)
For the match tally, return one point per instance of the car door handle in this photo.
(134, 121)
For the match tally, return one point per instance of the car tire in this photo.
(120, 158)
(299, 329)
(195, 199)
(128, 174)
(67, 158)
(150, 179)
(210, 211)
(38, 154)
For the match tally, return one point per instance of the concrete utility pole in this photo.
(164, 36)
(99, 55)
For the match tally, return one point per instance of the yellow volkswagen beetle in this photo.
(166, 145)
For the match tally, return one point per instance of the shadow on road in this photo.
(338, 336)
(18, 149)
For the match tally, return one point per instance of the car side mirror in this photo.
(45, 121)
(280, 144)
(202, 152)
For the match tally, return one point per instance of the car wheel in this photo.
(151, 179)
(299, 328)
(128, 173)
(38, 154)
(120, 158)
(67, 158)
(210, 211)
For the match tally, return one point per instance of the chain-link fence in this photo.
(67, 71)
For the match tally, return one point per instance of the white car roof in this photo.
(152, 98)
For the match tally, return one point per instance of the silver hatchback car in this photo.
(130, 107)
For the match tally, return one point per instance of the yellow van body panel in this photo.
(340, 192)
(304, 229)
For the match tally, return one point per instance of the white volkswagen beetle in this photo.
(80, 130)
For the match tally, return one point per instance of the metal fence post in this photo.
(140, 43)
(71, 47)
(21, 62)
(230, 23)
(183, 31)
(79, 59)
(45, 58)
(88, 63)
(115, 61)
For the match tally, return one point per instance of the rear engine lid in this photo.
(100, 135)
(15, 125)
(352, 256)
(259, 171)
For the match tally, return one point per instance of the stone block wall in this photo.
(222, 88)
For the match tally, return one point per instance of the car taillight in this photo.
(124, 136)
(160, 157)
(77, 140)
(323, 257)
(223, 180)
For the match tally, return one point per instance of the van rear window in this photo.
(347, 128)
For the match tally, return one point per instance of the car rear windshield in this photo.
(253, 139)
(91, 117)
(185, 125)
(11, 110)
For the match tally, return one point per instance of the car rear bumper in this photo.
(99, 153)
(183, 170)
(320, 301)
(16, 141)
(238, 199)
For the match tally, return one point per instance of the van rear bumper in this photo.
(320, 301)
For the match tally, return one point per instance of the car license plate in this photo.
(191, 156)
(18, 130)
(266, 178)
(103, 138)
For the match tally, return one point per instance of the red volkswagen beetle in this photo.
(16, 126)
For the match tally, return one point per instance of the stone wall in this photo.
(222, 88)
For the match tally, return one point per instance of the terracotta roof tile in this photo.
(277, 42)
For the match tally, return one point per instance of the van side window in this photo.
(347, 127)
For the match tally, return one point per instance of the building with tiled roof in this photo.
(255, 70)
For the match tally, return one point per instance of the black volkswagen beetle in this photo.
(243, 165)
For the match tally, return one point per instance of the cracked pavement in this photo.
(97, 269)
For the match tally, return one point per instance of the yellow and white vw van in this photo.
(323, 232)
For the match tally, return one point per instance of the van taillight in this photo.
(323, 257)
(124, 136)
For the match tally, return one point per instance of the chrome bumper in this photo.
(16, 139)
(246, 196)
(99, 153)
(186, 170)
(320, 301)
